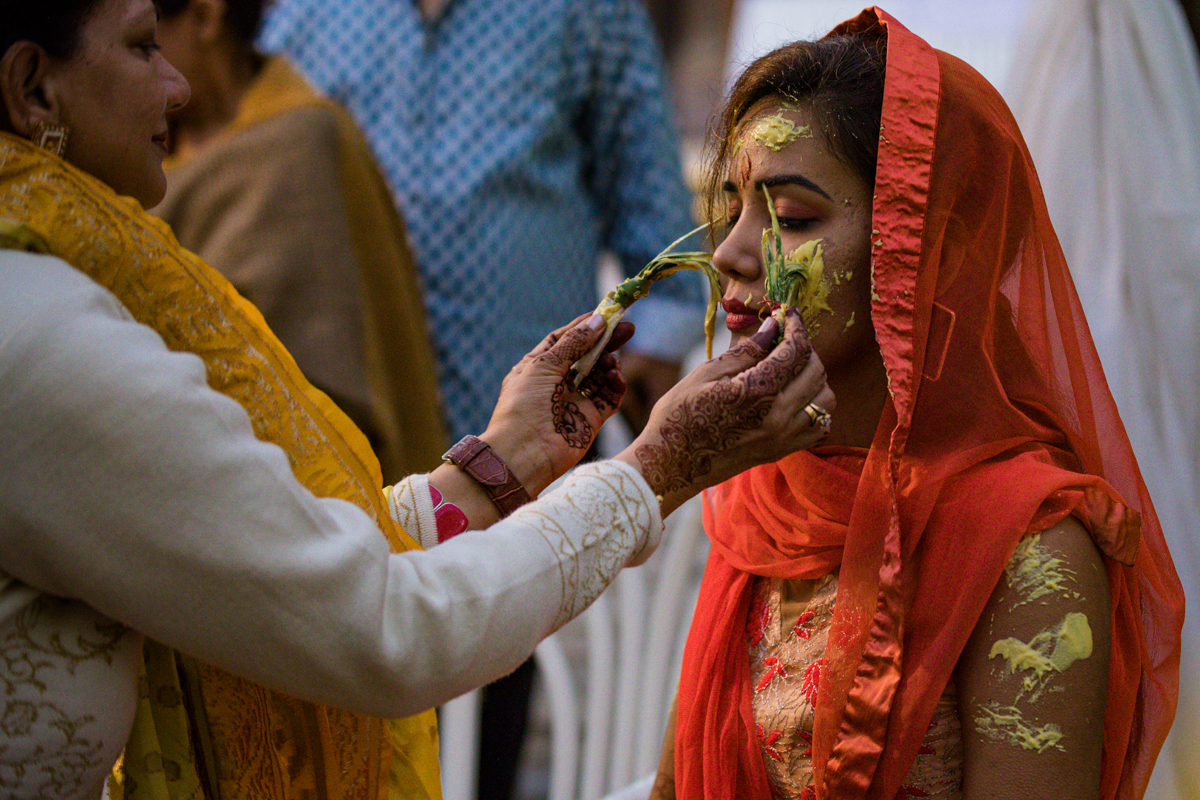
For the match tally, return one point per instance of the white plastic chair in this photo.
(634, 635)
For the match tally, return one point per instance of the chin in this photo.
(151, 192)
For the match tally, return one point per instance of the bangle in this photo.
(476, 458)
(451, 521)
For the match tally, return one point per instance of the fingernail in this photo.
(766, 323)
(595, 322)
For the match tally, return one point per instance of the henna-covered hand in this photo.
(735, 412)
(541, 426)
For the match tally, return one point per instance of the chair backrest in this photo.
(634, 644)
(610, 734)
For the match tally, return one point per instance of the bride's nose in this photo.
(739, 256)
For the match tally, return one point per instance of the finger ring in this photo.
(588, 391)
(819, 416)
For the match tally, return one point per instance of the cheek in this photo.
(151, 100)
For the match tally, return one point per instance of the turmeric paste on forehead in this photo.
(778, 131)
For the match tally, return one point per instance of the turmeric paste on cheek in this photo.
(814, 291)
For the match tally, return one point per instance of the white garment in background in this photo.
(136, 501)
(980, 32)
(1107, 94)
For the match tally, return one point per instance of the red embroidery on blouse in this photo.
(805, 627)
(774, 669)
(812, 681)
(768, 740)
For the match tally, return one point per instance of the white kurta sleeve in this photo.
(130, 485)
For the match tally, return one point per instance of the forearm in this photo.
(492, 595)
(177, 522)
(664, 781)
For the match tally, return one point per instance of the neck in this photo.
(215, 101)
(432, 9)
(861, 391)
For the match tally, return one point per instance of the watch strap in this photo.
(476, 458)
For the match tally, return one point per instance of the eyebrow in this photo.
(781, 180)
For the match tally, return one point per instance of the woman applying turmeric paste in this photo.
(199, 568)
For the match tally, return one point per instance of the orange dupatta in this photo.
(999, 423)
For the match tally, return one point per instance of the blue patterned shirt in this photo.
(521, 137)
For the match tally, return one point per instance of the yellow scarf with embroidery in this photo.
(201, 733)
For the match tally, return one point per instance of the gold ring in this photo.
(819, 416)
(587, 391)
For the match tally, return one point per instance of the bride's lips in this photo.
(739, 316)
(160, 140)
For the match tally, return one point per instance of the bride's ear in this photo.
(27, 88)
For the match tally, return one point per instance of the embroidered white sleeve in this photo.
(411, 508)
(601, 518)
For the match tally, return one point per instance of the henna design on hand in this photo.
(606, 398)
(558, 357)
(697, 430)
(715, 420)
(569, 421)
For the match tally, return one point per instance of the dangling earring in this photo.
(51, 136)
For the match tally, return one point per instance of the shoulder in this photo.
(1058, 564)
(42, 290)
(312, 129)
(63, 336)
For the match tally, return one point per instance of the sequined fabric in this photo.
(786, 641)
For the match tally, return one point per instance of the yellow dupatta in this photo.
(201, 732)
(400, 365)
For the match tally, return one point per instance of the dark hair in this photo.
(52, 24)
(840, 78)
(242, 17)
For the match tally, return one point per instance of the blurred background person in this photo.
(272, 183)
(1108, 95)
(524, 132)
(519, 130)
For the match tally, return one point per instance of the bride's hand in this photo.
(735, 412)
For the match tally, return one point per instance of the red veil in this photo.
(999, 423)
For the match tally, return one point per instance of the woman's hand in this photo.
(735, 412)
(542, 426)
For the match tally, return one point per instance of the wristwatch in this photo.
(476, 458)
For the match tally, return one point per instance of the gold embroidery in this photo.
(606, 493)
(42, 747)
(26, 653)
(52, 768)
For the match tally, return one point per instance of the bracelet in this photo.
(476, 458)
(451, 521)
